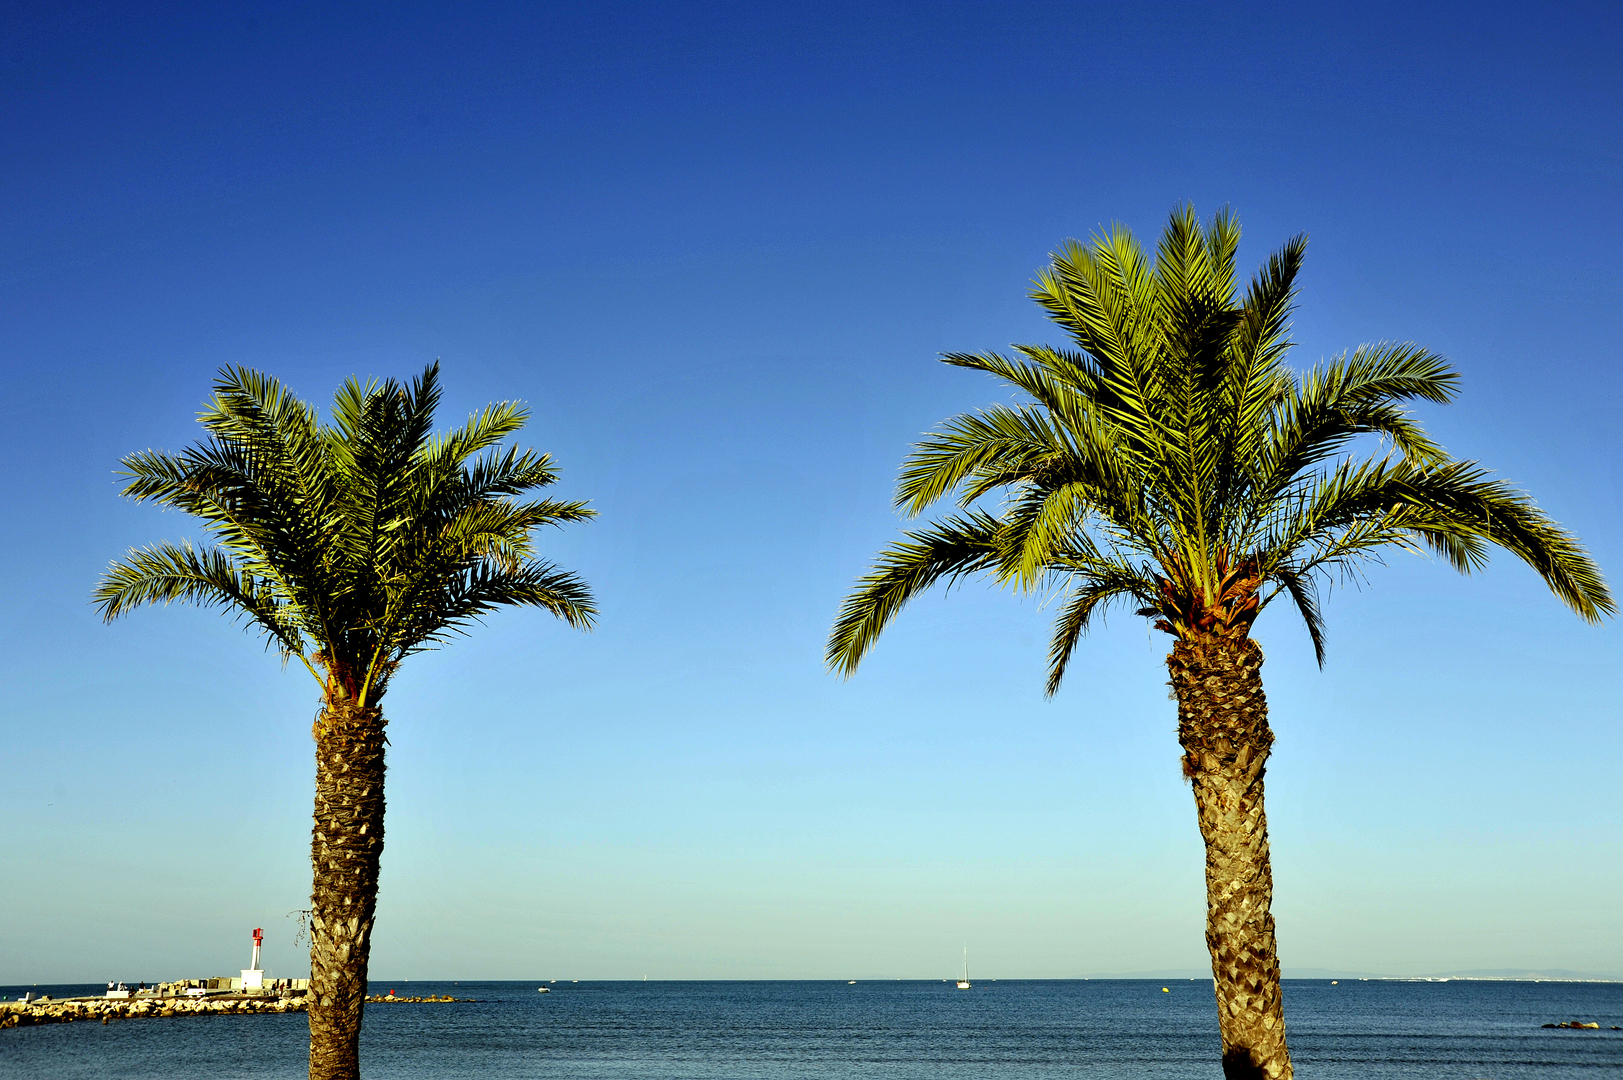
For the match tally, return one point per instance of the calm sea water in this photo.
(1013, 1030)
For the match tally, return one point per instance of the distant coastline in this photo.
(1468, 975)
(9, 994)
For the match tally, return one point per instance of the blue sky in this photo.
(716, 248)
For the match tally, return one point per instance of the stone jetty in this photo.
(46, 1011)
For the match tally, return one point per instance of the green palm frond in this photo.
(1346, 398)
(356, 544)
(464, 598)
(1170, 455)
(1304, 593)
(171, 573)
(1470, 507)
(999, 439)
(1092, 594)
(946, 550)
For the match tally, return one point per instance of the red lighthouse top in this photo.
(259, 936)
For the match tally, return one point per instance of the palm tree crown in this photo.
(354, 545)
(1171, 460)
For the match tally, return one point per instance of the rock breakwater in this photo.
(24, 1014)
(46, 1011)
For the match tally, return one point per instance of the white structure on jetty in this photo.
(252, 977)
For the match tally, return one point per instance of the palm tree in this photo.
(349, 547)
(1172, 462)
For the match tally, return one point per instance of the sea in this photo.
(868, 1030)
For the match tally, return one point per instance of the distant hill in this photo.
(1182, 974)
(1521, 974)
(1506, 974)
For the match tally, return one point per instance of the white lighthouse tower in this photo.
(252, 977)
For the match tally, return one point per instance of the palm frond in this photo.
(179, 573)
(355, 544)
(462, 599)
(947, 549)
(1171, 451)
(1453, 509)
(996, 439)
(1354, 396)
(1092, 594)
(1304, 593)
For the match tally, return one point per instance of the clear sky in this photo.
(716, 248)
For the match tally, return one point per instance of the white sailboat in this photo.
(963, 984)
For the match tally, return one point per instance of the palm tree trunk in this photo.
(344, 848)
(1223, 728)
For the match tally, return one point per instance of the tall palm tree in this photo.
(1171, 461)
(350, 547)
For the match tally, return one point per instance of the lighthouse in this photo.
(252, 977)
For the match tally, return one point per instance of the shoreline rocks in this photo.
(45, 1011)
(27, 1014)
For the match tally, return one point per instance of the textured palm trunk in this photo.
(344, 848)
(1223, 728)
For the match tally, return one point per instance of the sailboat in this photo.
(963, 984)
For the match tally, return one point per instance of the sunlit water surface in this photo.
(1012, 1030)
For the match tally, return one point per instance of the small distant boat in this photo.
(853, 982)
(543, 989)
(963, 984)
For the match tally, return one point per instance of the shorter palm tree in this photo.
(349, 547)
(1172, 462)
